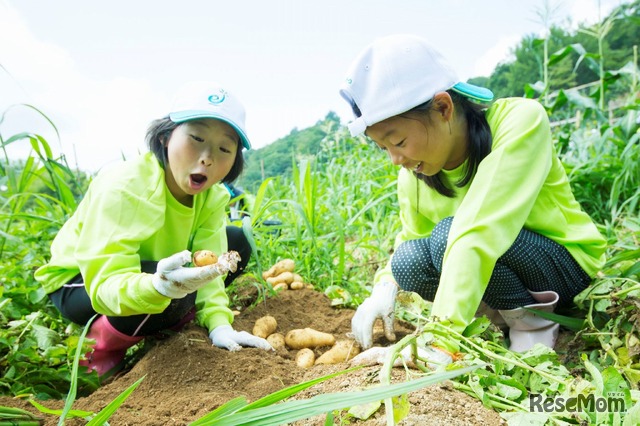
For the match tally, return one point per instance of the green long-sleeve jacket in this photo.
(520, 184)
(128, 215)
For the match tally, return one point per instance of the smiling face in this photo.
(200, 154)
(425, 143)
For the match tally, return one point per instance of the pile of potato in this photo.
(281, 276)
(305, 340)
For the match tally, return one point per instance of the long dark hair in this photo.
(160, 131)
(480, 141)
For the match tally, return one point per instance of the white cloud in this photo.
(98, 119)
(589, 12)
(500, 52)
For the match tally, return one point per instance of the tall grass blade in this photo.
(71, 396)
(104, 414)
(283, 413)
(268, 400)
(71, 413)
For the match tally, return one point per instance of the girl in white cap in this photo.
(486, 208)
(125, 252)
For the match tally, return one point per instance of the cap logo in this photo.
(217, 98)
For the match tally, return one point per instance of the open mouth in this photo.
(198, 180)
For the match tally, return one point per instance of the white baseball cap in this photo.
(397, 73)
(202, 99)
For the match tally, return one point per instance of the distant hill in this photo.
(275, 159)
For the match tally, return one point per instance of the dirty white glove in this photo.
(174, 280)
(225, 337)
(432, 356)
(380, 304)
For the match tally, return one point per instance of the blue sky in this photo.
(103, 70)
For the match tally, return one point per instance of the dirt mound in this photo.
(186, 377)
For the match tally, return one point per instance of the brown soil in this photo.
(186, 377)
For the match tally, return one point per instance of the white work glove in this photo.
(432, 356)
(380, 304)
(174, 280)
(225, 337)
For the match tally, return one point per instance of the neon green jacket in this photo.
(127, 216)
(520, 184)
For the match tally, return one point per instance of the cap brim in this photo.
(357, 127)
(477, 93)
(182, 116)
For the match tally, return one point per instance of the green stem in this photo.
(498, 401)
(493, 355)
(385, 371)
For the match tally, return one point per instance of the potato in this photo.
(297, 277)
(281, 286)
(276, 340)
(296, 285)
(342, 351)
(285, 277)
(204, 258)
(285, 265)
(308, 338)
(305, 358)
(265, 326)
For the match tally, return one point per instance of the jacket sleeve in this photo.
(495, 208)
(110, 226)
(212, 302)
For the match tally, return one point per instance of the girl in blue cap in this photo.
(125, 252)
(486, 208)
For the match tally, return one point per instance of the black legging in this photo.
(74, 303)
(533, 263)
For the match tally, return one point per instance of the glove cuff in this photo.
(385, 290)
(219, 329)
(165, 288)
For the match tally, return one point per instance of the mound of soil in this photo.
(186, 377)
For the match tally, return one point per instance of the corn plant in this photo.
(38, 195)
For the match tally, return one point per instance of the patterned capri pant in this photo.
(533, 263)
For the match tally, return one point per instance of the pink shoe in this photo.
(110, 347)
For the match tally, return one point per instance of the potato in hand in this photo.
(204, 258)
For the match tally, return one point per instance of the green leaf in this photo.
(632, 418)
(401, 407)
(237, 403)
(477, 327)
(294, 410)
(575, 324)
(71, 413)
(104, 414)
(71, 396)
(45, 336)
(556, 57)
(364, 411)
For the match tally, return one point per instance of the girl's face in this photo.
(425, 145)
(200, 154)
